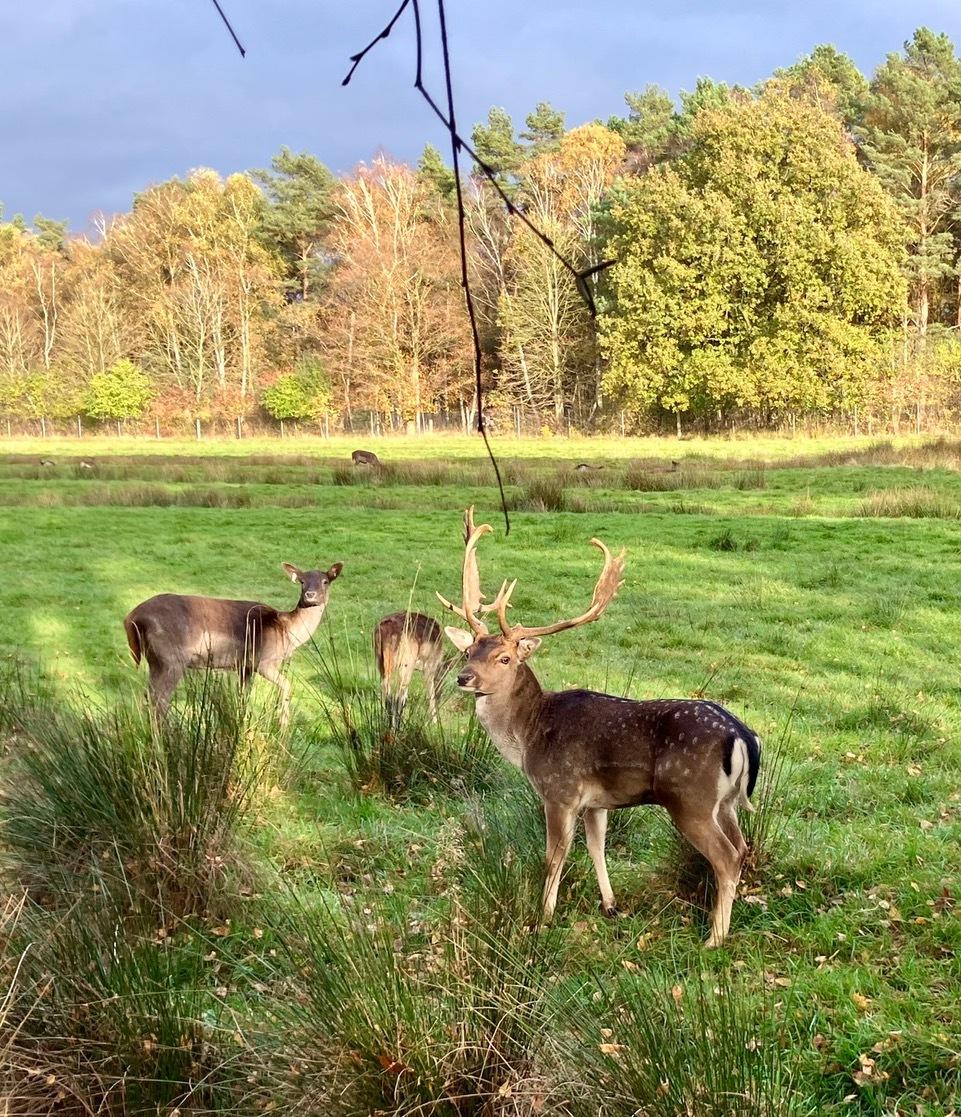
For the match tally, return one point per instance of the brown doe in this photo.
(589, 753)
(405, 643)
(174, 632)
(364, 457)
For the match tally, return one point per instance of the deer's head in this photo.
(314, 584)
(493, 660)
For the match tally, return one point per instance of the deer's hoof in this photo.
(610, 911)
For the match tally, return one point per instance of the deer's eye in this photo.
(505, 659)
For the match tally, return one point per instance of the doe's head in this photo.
(314, 584)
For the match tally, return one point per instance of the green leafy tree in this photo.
(121, 392)
(496, 144)
(300, 191)
(912, 141)
(760, 269)
(829, 78)
(650, 127)
(304, 393)
(545, 128)
(50, 234)
(433, 171)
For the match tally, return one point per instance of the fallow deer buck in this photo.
(174, 632)
(590, 753)
(405, 643)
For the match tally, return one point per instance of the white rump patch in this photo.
(734, 786)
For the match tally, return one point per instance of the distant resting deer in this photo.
(175, 632)
(588, 753)
(405, 643)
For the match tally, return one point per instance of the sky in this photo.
(101, 98)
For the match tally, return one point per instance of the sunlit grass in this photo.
(771, 593)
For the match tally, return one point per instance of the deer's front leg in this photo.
(595, 830)
(271, 672)
(560, 830)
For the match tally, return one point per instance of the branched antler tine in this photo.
(608, 583)
(472, 590)
(470, 579)
(501, 604)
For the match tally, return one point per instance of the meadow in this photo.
(342, 920)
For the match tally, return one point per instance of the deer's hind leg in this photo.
(707, 837)
(728, 821)
(164, 678)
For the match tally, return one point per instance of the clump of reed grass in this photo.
(704, 1046)
(753, 478)
(914, 502)
(103, 1016)
(545, 493)
(110, 796)
(639, 477)
(397, 1015)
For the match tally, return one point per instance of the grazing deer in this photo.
(590, 753)
(364, 457)
(405, 643)
(174, 632)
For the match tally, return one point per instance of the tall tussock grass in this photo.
(391, 1014)
(105, 1015)
(401, 754)
(704, 1048)
(109, 795)
(913, 502)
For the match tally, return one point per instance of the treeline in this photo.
(777, 254)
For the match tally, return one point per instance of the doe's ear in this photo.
(459, 638)
(334, 571)
(291, 571)
(527, 647)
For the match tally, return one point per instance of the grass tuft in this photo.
(108, 795)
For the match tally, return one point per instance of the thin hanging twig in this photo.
(233, 34)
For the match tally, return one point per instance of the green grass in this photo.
(811, 586)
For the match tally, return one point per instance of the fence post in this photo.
(197, 421)
(157, 425)
(43, 426)
(79, 428)
(239, 427)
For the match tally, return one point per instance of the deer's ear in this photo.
(291, 571)
(527, 647)
(334, 571)
(459, 638)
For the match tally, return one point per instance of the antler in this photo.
(609, 582)
(470, 583)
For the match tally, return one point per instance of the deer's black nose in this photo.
(465, 677)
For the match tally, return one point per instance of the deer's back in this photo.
(400, 636)
(601, 750)
(203, 631)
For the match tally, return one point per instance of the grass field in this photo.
(811, 586)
